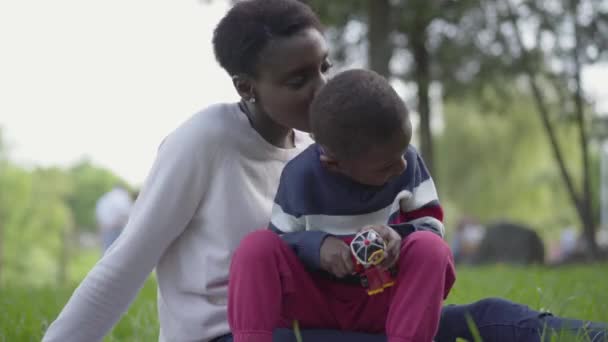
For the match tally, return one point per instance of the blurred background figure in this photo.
(498, 241)
(510, 242)
(112, 213)
(468, 233)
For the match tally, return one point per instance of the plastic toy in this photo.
(368, 250)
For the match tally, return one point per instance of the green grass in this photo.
(26, 312)
(576, 291)
(572, 291)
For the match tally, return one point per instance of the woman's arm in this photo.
(167, 202)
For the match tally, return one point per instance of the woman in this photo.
(212, 183)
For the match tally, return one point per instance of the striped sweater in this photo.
(312, 203)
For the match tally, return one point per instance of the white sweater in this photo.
(213, 181)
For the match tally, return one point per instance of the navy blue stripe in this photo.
(307, 188)
(305, 244)
(403, 229)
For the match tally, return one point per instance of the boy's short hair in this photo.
(355, 110)
(249, 25)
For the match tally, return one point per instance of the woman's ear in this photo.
(244, 87)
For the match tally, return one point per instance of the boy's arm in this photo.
(420, 208)
(428, 218)
(291, 226)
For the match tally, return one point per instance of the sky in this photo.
(107, 80)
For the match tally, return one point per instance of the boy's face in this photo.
(379, 164)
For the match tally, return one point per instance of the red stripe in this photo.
(433, 211)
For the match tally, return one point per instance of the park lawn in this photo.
(572, 291)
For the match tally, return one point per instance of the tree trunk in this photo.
(380, 50)
(586, 198)
(422, 75)
(580, 203)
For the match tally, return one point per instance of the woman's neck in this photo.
(272, 132)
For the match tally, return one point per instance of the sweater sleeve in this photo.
(168, 200)
(420, 209)
(287, 221)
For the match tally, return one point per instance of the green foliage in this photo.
(595, 183)
(339, 13)
(495, 162)
(15, 197)
(338, 17)
(39, 211)
(89, 183)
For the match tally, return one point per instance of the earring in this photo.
(251, 100)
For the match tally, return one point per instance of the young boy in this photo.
(360, 173)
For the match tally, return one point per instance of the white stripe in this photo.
(285, 222)
(349, 224)
(424, 193)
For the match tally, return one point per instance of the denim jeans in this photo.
(493, 319)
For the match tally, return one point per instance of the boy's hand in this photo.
(393, 244)
(336, 257)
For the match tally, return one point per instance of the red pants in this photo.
(269, 288)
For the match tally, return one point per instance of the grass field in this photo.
(574, 291)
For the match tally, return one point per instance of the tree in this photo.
(15, 185)
(3, 165)
(51, 218)
(39, 211)
(494, 164)
(580, 39)
(402, 43)
(380, 27)
(466, 46)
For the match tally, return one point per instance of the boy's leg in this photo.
(424, 278)
(269, 287)
(500, 320)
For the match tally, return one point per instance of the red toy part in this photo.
(376, 280)
(367, 249)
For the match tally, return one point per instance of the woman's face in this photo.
(289, 73)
